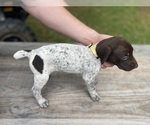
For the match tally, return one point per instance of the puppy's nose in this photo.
(134, 64)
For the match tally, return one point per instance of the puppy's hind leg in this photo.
(90, 83)
(40, 81)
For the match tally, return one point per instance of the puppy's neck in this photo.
(92, 47)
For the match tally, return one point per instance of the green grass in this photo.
(133, 23)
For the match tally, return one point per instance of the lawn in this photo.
(133, 23)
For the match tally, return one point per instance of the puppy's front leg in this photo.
(39, 82)
(90, 83)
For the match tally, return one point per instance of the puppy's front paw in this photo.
(43, 103)
(95, 97)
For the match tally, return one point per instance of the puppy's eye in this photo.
(125, 57)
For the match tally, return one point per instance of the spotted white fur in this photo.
(62, 57)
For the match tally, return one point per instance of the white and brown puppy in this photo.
(77, 59)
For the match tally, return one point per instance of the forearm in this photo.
(59, 19)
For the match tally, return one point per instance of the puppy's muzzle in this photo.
(129, 65)
(134, 64)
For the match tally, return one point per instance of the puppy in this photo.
(70, 58)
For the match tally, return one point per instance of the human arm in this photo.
(60, 19)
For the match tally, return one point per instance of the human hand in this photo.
(106, 65)
(104, 36)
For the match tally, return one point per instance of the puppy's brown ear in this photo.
(106, 54)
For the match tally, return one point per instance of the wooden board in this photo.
(125, 96)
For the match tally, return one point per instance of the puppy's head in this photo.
(118, 51)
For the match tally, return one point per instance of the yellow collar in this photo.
(92, 48)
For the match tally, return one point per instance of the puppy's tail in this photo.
(21, 54)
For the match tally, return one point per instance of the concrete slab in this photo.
(125, 96)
